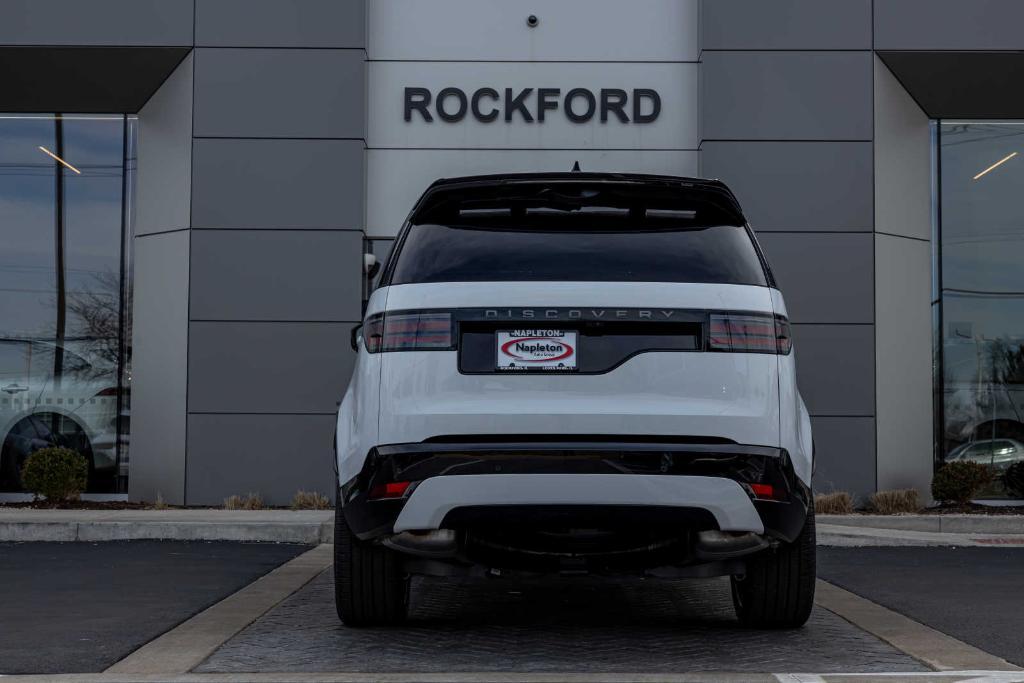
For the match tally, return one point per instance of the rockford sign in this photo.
(578, 105)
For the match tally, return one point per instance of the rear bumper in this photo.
(696, 486)
(433, 500)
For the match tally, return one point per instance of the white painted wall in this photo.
(569, 30)
(903, 326)
(589, 44)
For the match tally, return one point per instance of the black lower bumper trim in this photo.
(783, 519)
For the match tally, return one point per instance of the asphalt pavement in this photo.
(80, 607)
(973, 594)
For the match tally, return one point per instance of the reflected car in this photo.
(37, 410)
(997, 453)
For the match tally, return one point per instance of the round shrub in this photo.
(55, 473)
(1013, 479)
(960, 481)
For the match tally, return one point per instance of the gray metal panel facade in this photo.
(280, 93)
(160, 292)
(285, 275)
(776, 95)
(273, 23)
(96, 22)
(791, 25)
(845, 454)
(830, 387)
(268, 367)
(826, 277)
(787, 123)
(948, 24)
(278, 184)
(273, 455)
(277, 216)
(834, 181)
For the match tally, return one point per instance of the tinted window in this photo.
(978, 307)
(458, 253)
(65, 276)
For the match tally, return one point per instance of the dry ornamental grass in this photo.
(835, 503)
(310, 500)
(250, 501)
(895, 502)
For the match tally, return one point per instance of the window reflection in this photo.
(982, 295)
(64, 273)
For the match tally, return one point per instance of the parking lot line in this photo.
(934, 648)
(188, 644)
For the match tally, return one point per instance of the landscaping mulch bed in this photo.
(975, 509)
(82, 505)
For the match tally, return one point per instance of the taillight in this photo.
(749, 332)
(408, 332)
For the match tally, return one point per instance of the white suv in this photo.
(575, 372)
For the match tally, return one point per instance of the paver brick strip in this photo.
(558, 625)
(184, 647)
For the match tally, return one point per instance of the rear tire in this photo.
(778, 589)
(370, 585)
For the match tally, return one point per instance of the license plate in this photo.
(544, 349)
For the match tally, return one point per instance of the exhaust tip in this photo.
(723, 545)
(430, 543)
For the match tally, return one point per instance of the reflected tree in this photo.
(97, 320)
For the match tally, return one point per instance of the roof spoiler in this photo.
(705, 202)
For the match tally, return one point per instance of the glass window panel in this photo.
(982, 298)
(63, 322)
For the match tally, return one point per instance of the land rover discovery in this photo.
(575, 373)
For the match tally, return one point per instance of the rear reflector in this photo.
(408, 332)
(767, 492)
(749, 332)
(392, 489)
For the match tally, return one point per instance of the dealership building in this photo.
(187, 189)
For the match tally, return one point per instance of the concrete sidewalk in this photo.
(951, 523)
(861, 537)
(317, 526)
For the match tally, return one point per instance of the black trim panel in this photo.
(415, 462)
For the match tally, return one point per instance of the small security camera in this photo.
(532, 20)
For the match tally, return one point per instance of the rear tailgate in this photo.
(668, 384)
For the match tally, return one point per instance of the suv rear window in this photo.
(577, 247)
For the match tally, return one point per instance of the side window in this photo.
(983, 448)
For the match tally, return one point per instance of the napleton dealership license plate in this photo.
(553, 350)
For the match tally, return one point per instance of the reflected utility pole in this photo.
(58, 353)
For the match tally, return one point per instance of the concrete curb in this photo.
(272, 526)
(862, 537)
(951, 524)
(317, 526)
(925, 644)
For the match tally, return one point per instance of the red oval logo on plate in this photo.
(538, 354)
